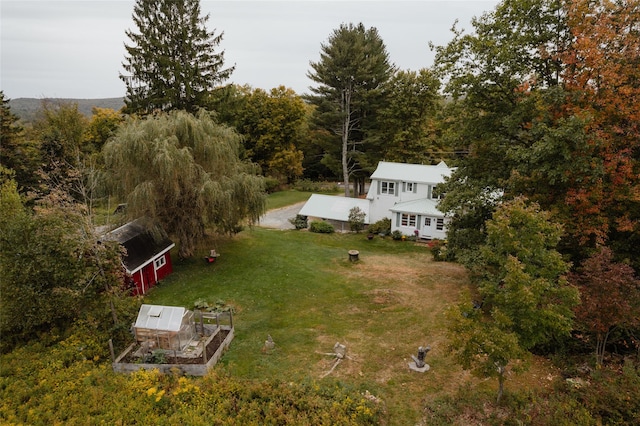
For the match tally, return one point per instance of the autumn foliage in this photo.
(603, 69)
(610, 297)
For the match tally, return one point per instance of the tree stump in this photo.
(354, 255)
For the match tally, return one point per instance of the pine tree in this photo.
(353, 67)
(171, 63)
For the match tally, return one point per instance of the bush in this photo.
(307, 185)
(356, 219)
(396, 235)
(300, 221)
(383, 226)
(438, 250)
(271, 184)
(321, 227)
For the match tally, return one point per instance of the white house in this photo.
(401, 192)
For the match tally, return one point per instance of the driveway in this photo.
(279, 218)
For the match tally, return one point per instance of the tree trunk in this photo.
(601, 343)
(501, 371)
(346, 109)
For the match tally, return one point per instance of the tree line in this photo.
(536, 107)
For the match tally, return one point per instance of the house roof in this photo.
(141, 244)
(418, 173)
(423, 206)
(157, 317)
(333, 207)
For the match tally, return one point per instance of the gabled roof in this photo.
(333, 207)
(141, 244)
(423, 206)
(156, 317)
(418, 173)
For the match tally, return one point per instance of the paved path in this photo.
(279, 218)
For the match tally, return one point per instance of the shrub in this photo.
(356, 219)
(300, 221)
(396, 235)
(321, 227)
(271, 184)
(383, 226)
(307, 185)
(438, 250)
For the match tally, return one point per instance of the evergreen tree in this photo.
(171, 63)
(16, 151)
(353, 68)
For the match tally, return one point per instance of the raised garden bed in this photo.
(192, 361)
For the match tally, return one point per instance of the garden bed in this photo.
(191, 361)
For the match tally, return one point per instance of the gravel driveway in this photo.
(279, 218)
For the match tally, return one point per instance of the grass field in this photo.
(301, 288)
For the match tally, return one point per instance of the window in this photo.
(440, 224)
(159, 262)
(408, 219)
(409, 187)
(427, 221)
(387, 187)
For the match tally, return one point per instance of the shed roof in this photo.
(141, 244)
(423, 206)
(333, 207)
(418, 173)
(157, 317)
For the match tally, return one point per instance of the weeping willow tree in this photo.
(183, 173)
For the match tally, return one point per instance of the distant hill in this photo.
(26, 108)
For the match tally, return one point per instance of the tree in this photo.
(53, 269)
(407, 132)
(548, 92)
(354, 65)
(103, 125)
(603, 73)
(273, 124)
(61, 131)
(610, 297)
(17, 152)
(183, 172)
(356, 219)
(491, 75)
(483, 344)
(525, 301)
(171, 63)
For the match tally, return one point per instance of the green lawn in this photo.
(301, 289)
(286, 198)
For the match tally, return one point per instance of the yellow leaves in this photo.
(154, 393)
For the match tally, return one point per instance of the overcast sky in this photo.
(74, 49)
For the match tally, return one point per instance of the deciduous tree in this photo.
(491, 74)
(407, 131)
(273, 125)
(610, 297)
(354, 65)
(603, 73)
(183, 172)
(171, 62)
(53, 269)
(525, 298)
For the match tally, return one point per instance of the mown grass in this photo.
(286, 198)
(301, 289)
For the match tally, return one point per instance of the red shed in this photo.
(148, 257)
